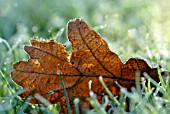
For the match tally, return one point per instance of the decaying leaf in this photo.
(90, 59)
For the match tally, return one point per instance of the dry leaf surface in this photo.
(91, 58)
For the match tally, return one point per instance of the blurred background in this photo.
(132, 28)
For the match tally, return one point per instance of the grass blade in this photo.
(9, 87)
(65, 93)
(109, 92)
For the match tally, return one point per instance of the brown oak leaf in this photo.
(90, 58)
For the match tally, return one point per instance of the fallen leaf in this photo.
(90, 58)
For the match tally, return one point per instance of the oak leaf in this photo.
(90, 58)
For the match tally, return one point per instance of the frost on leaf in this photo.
(90, 59)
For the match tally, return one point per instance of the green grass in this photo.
(137, 28)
